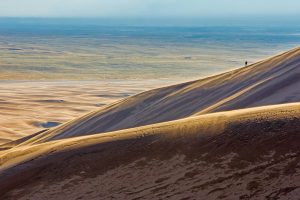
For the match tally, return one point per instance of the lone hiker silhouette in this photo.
(246, 63)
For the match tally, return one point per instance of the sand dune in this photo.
(230, 136)
(249, 153)
(272, 81)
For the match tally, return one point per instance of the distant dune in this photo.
(272, 81)
(230, 136)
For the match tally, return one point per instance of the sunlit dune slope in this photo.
(235, 154)
(272, 81)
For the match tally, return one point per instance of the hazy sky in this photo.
(148, 8)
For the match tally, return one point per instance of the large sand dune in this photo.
(272, 81)
(230, 136)
(250, 153)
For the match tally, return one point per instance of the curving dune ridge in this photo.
(272, 81)
(221, 137)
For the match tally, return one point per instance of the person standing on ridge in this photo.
(246, 63)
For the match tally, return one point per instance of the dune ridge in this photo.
(272, 81)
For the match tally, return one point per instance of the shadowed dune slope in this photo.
(248, 153)
(272, 81)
